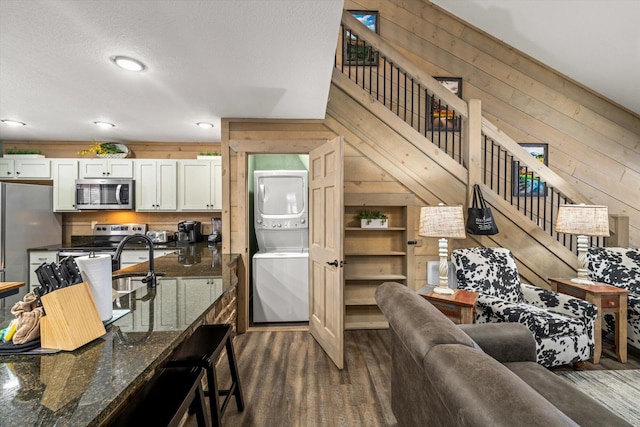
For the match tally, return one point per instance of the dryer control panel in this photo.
(280, 223)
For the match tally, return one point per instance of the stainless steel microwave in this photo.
(105, 193)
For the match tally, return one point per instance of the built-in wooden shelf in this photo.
(375, 229)
(376, 253)
(380, 277)
(374, 256)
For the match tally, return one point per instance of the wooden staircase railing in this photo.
(455, 127)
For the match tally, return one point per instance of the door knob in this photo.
(334, 263)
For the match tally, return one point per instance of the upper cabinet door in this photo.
(156, 185)
(38, 168)
(64, 174)
(106, 168)
(200, 185)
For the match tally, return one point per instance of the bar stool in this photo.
(165, 399)
(202, 349)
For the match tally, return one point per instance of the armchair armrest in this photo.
(505, 342)
(559, 303)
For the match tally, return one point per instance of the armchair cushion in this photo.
(619, 267)
(616, 266)
(540, 321)
(489, 271)
(558, 303)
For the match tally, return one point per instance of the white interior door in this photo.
(326, 308)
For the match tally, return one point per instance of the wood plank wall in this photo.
(139, 150)
(361, 176)
(593, 143)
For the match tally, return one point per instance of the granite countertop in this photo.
(83, 387)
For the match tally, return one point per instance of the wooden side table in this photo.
(608, 299)
(459, 307)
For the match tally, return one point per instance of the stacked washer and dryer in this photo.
(281, 265)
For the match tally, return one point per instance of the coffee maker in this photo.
(189, 232)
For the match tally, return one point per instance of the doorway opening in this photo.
(278, 241)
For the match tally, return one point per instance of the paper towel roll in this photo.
(96, 271)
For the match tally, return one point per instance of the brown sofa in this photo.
(474, 375)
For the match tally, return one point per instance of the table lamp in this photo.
(583, 220)
(444, 222)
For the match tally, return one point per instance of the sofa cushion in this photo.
(505, 342)
(477, 390)
(489, 271)
(616, 266)
(580, 407)
(418, 323)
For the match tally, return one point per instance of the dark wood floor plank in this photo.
(288, 380)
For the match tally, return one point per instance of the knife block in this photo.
(71, 320)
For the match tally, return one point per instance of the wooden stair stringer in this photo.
(429, 180)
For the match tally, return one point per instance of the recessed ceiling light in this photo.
(104, 125)
(13, 123)
(127, 63)
(205, 125)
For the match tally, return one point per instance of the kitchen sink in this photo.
(125, 283)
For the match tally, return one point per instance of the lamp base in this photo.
(582, 281)
(443, 290)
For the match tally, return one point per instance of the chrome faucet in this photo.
(150, 280)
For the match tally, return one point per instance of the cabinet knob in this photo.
(17, 173)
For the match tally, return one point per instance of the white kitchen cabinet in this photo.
(37, 168)
(64, 173)
(200, 185)
(165, 314)
(201, 292)
(35, 259)
(156, 185)
(106, 168)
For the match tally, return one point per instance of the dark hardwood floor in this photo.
(288, 380)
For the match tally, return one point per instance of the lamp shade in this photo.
(442, 221)
(586, 220)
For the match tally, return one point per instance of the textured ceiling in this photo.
(206, 60)
(209, 59)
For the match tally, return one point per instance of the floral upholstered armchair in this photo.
(619, 267)
(561, 325)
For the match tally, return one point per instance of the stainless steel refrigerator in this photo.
(26, 221)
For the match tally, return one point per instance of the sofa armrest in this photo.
(505, 342)
(559, 303)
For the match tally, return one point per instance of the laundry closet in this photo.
(279, 244)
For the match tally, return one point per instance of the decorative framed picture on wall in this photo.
(355, 50)
(524, 182)
(442, 116)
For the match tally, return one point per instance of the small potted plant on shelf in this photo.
(373, 219)
(23, 154)
(204, 155)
